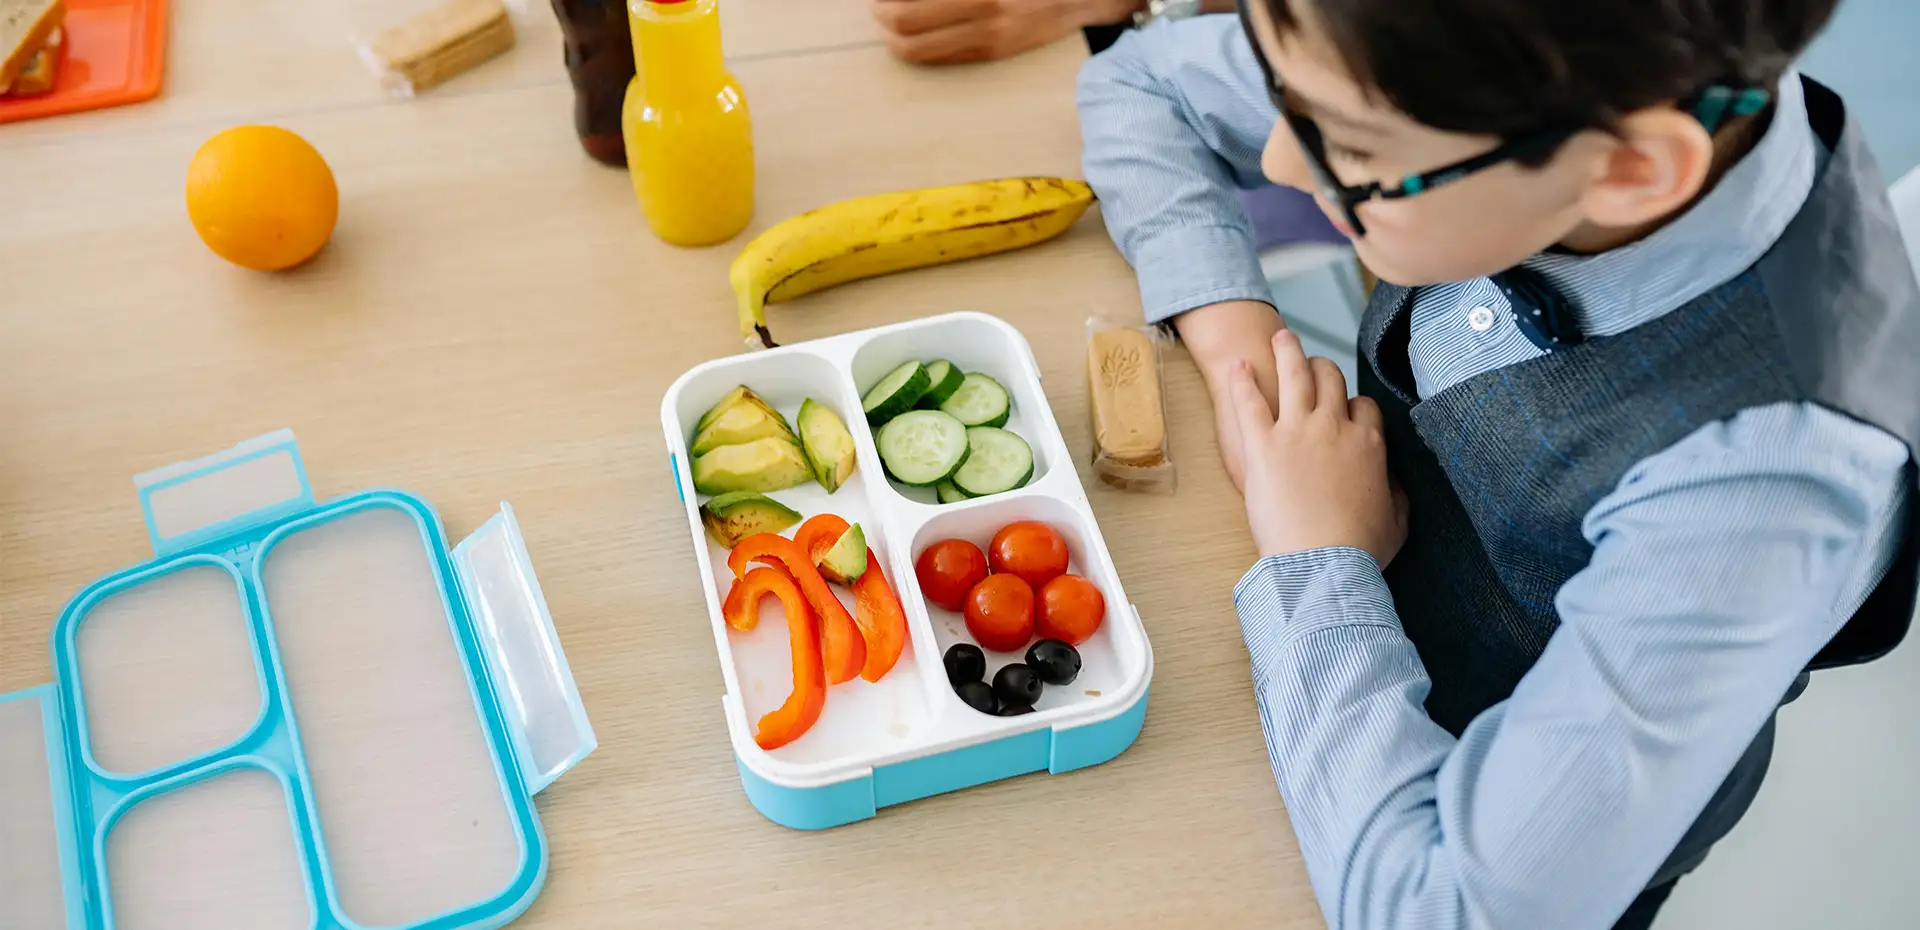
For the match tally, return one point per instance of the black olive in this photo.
(1054, 661)
(965, 662)
(1017, 684)
(978, 696)
(1015, 709)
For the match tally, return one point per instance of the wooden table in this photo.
(493, 320)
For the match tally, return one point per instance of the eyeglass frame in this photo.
(1710, 106)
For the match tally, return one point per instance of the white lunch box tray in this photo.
(909, 736)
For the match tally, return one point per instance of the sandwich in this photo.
(42, 68)
(25, 28)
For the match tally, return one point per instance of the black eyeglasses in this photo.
(1710, 106)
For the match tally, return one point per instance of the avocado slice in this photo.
(738, 395)
(847, 560)
(769, 464)
(828, 445)
(735, 516)
(742, 422)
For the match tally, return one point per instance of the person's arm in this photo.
(941, 32)
(1720, 567)
(1101, 37)
(1174, 118)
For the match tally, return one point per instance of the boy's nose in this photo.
(1282, 161)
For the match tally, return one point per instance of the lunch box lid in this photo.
(95, 815)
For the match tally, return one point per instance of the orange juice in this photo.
(689, 137)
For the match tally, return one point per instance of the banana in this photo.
(870, 236)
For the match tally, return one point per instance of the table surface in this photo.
(492, 320)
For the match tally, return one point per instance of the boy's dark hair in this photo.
(1510, 67)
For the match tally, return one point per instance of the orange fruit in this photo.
(261, 197)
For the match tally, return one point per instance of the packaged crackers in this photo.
(438, 43)
(1130, 449)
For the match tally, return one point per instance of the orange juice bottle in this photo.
(689, 138)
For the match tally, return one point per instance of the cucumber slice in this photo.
(980, 401)
(922, 447)
(950, 494)
(996, 461)
(944, 379)
(896, 393)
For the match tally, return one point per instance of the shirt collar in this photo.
(1723, 234)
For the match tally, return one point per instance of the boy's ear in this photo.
(1659, 161)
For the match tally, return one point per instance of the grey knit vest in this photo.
(1501, 468)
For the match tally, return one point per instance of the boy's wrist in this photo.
(1219, 334)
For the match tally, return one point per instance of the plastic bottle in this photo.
(599, 55)
(689, 137)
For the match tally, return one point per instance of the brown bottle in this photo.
(600, 61)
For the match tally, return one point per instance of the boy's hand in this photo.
(1316, 465)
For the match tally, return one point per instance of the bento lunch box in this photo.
(298, 715)
(908, 736)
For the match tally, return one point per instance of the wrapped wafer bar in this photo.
(439, 43)
(1130, 449)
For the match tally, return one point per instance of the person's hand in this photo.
(1219, 337)
(1316, 462)
(954, 31)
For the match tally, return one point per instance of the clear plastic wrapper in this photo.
(1128, 405)
(415, 45)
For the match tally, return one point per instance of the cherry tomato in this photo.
(1030, 549)
(1069, 608)
(1000, 613)
(948, 570)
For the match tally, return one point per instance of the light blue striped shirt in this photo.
(1721, 565)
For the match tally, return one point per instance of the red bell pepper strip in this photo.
(742, 606)
(877, 611)
(818, 534)
(802, 709)
(844, 648)
(882, 620)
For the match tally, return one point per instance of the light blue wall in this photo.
(1871, 55)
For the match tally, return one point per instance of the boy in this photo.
(1643, 371)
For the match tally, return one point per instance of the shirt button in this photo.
(1480, 318)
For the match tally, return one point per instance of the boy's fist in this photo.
(1315, 467)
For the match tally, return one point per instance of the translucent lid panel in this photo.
(216, 855)
(511, 615)
(253, 484)
(167, 670)
(411, 807)
(30, 896)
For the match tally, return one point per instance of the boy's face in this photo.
(1589, 197)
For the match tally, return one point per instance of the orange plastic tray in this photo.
(116, 52)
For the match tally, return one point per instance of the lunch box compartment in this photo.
(411, 818)
(1110, 660)
(235, 829)
(974, 344)
(859, 715)
(167, 669)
